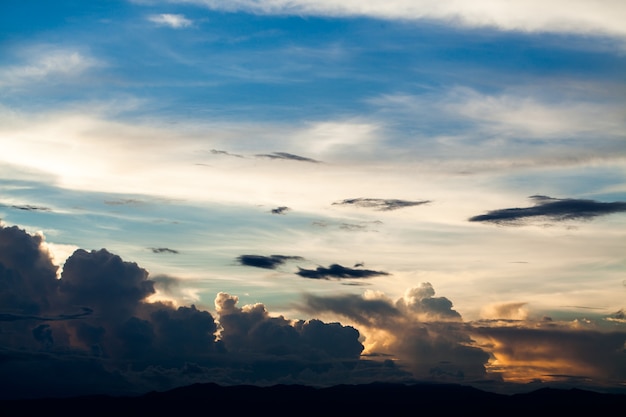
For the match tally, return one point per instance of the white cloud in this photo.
(46, 64)
(175, 21)
(514, 114)
(569, 16)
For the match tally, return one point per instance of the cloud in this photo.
(339, 272)
(287, 156)
(542, 351)
(554, 209)
(506, 311)
(46, 63)
(266, 262)
(134, 345)
(248, 326)
(218, 152)
(560, 16)
(176, 21)
(164, 250)
(380, 204)
(421, 331)
(28, 276)
(96, 327)
(280, 210)
(15, 317)
(28, 207)
(124, 202)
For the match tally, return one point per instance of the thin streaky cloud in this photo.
(336, 271)
(287, 156)
(46, 63)
(379, 203)
(559, 16)
(266, 262)
(555, 209)
(225, 153)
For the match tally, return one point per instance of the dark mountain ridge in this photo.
(376, 399)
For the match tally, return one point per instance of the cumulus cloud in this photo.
(379, 203)
(176, 21)
(574, 16)
(554, 209)
(286, 156)
(266, 262)
(251, 327)
(338, 272)
(99, 313)
(423, 332)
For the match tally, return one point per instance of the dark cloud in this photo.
(225, 153)
(28, 207)
(15, 317)
(164, 250)
(96, 327)
(288, 156)
(252, 326)
(554, 209)
(380, 204)
(267, 262)
(369, 312)
(338, 271)
(103, 281)
(280, 210)
(28, 278)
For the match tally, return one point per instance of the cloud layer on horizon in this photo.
(168, 346)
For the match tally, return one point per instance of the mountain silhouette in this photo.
(376, 399)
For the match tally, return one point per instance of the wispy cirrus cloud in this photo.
(287, 156)
(379, 203)
(560, 16)
(555, 209)
(45, 63)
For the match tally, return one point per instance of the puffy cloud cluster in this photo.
(422, 331)
(98, 312)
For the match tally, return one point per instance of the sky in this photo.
(316, 192)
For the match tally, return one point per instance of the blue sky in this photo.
(473, 149)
